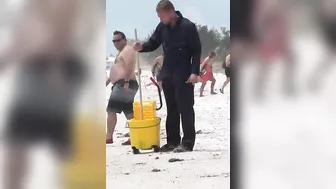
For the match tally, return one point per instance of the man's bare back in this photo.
(228, 60)
(124, 66)
(159, 60)
(157, 66)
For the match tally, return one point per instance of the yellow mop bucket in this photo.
(85, 168)
(145, 127)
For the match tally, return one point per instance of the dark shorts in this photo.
(122, 100)
(39, 110)
(227, 72)
(27, 126)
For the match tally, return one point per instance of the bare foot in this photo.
(201, 96)
(213, 93)
(222, 91)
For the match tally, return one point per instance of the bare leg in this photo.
(128, 116)
(202, 88)
(111, 123)
(213, 82)
(289, 85)
(319, 72)
(227, 81)
(259, 87)
(63, 154)
(16, 167)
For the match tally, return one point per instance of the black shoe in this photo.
(168, 148)
(181, 149)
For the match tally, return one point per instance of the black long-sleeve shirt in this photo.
(181, 46)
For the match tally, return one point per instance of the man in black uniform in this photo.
(182, 49)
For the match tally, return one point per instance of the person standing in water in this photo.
(125, 85)
(207, 73)
(226, 66)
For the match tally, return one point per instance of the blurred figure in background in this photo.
(156, 70)
(242, 31)
(273, 42)
(50, 75)
(327, 19)
(226, 66)
(207, 73)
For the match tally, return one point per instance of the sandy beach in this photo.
(207, 167)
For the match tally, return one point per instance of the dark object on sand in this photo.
(172, 160)
(156, 170)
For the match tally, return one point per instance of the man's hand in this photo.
(137, 46)
(126, 86)
(192, 79)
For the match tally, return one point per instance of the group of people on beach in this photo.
(206, 72)
(177, 71)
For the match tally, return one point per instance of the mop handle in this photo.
(138, 64)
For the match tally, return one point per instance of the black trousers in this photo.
(180, 106)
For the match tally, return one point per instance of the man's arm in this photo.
(194, 44)
(205, 61)
(154, 41)
(129, 59)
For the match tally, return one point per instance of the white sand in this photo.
(207, 167)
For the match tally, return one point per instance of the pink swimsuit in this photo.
(208, 75)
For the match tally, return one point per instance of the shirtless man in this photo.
(125, 85)
(156, 69)
(207, 74)
(227, 72)
(49, 77)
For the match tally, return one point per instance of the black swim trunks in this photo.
(329, 30)
(159, 76)
(41, 110)
(122, 100)
(227, 72)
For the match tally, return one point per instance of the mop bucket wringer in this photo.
(145, 127)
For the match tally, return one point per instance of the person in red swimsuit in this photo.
(207, 74)
(273, 42)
